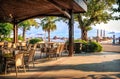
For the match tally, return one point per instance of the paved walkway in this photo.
(83, 66)
(111, 47)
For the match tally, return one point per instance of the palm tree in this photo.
(48, 24)
(26, 25)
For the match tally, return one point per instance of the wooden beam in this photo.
(82, 4)
(59, 8)
(40, 15)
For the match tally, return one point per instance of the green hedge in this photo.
(7, 39)
(20, 38)
(80, 41)
(35, 40)
(91, 47)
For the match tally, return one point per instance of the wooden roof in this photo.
(20, 10)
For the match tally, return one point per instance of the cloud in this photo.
(112, 25)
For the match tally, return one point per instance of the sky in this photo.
(112, 25)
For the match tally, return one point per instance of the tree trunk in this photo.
(84, 34)
(83, 29)
(48, 35)
(23, 35)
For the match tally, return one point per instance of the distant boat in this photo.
(111, 33)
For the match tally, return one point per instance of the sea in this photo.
(77, 35)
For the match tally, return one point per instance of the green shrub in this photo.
(7, 39)
(79, 41)
(35, 40)
(20, 38)
(94, 47)
(90, 46)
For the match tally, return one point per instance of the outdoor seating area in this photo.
(22, 55)
(85, 43)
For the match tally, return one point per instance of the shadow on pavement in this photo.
(107, 66)
(96, 76)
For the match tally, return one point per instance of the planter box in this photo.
(77, 47)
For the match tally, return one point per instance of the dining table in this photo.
(4, 58)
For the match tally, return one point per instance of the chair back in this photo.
(62, 47)
(23, 44)
(9, 45)
(58, 48)
(29, 47)
(1, 43)
(5, 44)
(6, 51)
(14, 46)
(19, 60)
(31, 55)
(34, 46)
(18, 44)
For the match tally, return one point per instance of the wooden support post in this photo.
(15, 32)
(71, 34)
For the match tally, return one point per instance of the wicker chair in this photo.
(62, 46)
(29, 58)
(17, 62)
(43, 49)
(53, 52)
